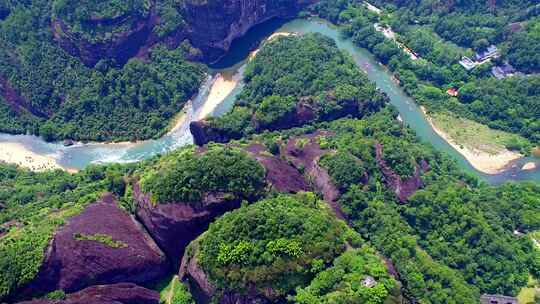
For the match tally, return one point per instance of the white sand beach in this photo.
(220, 89)
(15, 153)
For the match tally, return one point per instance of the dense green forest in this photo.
(34, 205)
(99, 21)
(510, 104)
(451, 240)
(284, 87)
(293, 236)
(59, 97)
(477, 220)
(187, 175)
(440, 239)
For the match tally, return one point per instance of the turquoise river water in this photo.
(80, 155)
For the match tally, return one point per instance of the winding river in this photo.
(231, 68)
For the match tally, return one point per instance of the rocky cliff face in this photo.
(121, 48)
(191, 271)
(102, 245)
(214, 24)
(307, 157)
(173, 225)
(204, 133)
(122, 293)
(211, 26)
(402, 188)
(279, 173)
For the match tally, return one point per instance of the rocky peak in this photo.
(214, 24)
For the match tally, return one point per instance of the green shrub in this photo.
(273, 243)
(101, 238)
(345, 169)
(186, 176)
(343, 282)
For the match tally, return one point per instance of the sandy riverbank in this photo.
(482, 161)
(220, 89)
(15, 153)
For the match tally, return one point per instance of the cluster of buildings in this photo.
(480, 58)
(499, 72)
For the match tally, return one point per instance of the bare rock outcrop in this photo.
(102, 245)
(173, 225)
(306, 155)
(403, 188)
(121, 293)
(281, 175)
(214, 24)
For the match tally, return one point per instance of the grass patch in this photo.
(474, 135)
(173, 291)
(526, 295)
(101, 238)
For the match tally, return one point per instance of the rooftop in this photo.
(467, 63)
(497, 299)
(490, 52)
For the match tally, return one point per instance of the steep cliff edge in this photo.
(104, 31)
(102, 245)
(174, 224)
(403, 188)
(121, 293)
(211, 26)
(214, 24)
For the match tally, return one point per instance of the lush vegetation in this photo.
(278, 243)
(62, 98)
(34, 205)
(137, 101)
(455, 238)
(346, 170)
(99, 21)
(460, 228)
(285, 87)
(525, 47)
(509, 105)
(188, 175)
(104, 239)
(347, 281)
(172, 291)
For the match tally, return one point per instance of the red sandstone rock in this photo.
(72, 264)
(402, 188)
(173, 225)
(122, 293)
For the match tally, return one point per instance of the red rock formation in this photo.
(122, 293)
(72, 263)
(402, 188)
(214, 24)
(279, 173)
(173, 225)
(204, 133)
(307, 157)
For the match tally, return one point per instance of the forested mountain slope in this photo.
(432, 30)
(383, 209)
(84, 71)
